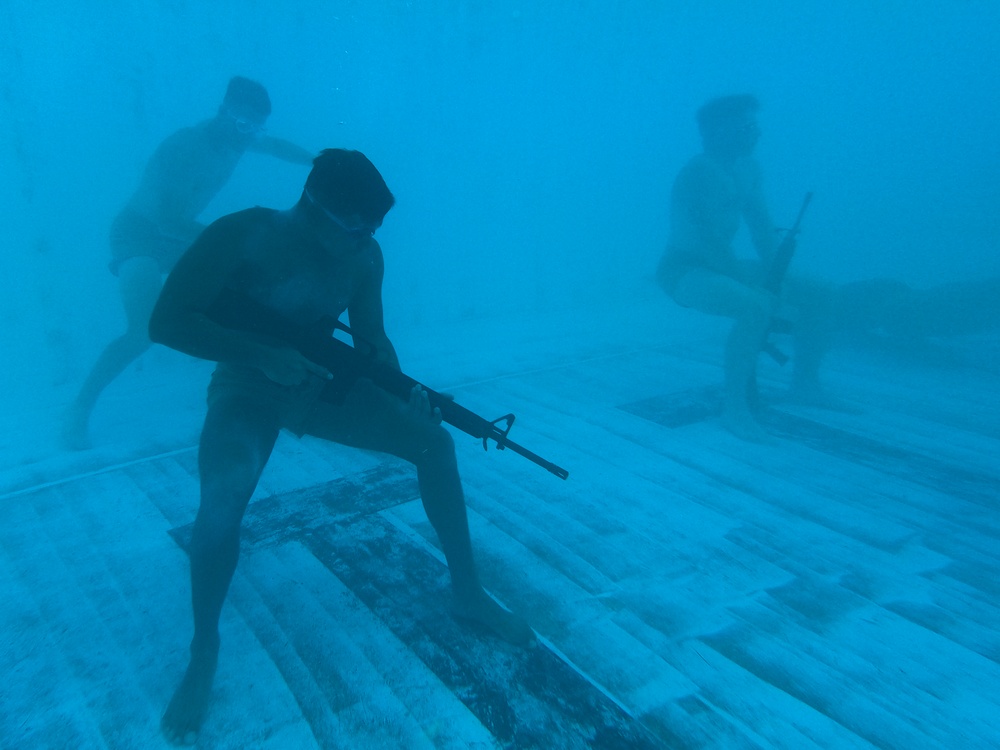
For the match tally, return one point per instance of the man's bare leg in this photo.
(235, 446)
(742, 350)
(751, 310)
(372, 419)
(444, 503)
(116, 356)
(139, 284)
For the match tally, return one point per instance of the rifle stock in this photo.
(347, 363)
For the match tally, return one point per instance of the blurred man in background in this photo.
(159, 222)
(712, 194)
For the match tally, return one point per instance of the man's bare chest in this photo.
(304, 283)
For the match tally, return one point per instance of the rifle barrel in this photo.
(802, 211)
(533, 457)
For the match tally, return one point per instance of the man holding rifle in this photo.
(711, 195)
(308, 264)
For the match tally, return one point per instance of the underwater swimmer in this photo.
(159, 222)
(712, 195)
(308, 264)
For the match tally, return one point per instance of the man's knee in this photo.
(224, 499)
(214, 527)
(439, 440)
(435, 444)
(232, 467)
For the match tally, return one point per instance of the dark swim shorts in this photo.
(133, 235)
(291, 405)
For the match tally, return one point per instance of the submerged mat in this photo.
(526, 698)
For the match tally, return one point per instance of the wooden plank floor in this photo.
(839, 589)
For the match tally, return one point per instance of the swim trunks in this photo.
(133, 235)
(291, 405)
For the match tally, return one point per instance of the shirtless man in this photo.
(310, 262)
(711, 195)
(159, 222)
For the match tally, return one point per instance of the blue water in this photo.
(531, 148)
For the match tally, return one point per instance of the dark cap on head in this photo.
(346, 183)
(247, 94)
(721, 112)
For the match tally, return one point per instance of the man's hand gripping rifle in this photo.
(776, 276)
(349, 363)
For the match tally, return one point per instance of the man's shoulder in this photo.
(242, 224)
(258, 216)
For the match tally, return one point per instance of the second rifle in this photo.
(776, 277)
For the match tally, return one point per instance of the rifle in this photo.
(348, 363)
(776, 276)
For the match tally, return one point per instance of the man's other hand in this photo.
(420, 405)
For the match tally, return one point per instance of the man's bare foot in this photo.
(482, 610)
(74, 429)
(184, 715)
(745, 427)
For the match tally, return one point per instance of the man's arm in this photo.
(282, 149)
(180, 319)
(365, 312)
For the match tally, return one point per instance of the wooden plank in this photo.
(776, 654)
(732, 701)
(42, 704)
(105, 701)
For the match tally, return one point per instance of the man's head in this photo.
(728, 125)
(349, 190)
(246, 106)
